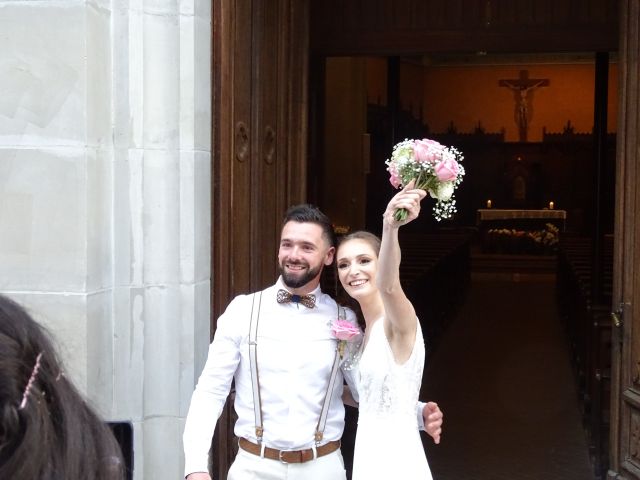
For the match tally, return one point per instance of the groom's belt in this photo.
(289, 456)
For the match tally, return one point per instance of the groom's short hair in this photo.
(308, 213)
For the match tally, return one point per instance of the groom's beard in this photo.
(297, 280)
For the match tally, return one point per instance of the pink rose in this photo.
(394, 177)
(344, 330)
(432, 144)
(447, 169)
(427, 151)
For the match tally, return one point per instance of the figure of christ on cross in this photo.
(523, 88)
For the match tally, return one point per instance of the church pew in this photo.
(574, 298)
(435, 275)
(588, 329)
(575, 277)
(599, 388)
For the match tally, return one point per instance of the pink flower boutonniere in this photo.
(345, 332)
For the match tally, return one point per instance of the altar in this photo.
(520, 230)
(520, 218)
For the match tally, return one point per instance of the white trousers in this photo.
(247, 466)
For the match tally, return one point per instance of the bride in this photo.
(390, 369)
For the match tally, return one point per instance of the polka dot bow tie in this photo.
(308, 301)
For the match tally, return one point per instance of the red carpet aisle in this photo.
(502, 376)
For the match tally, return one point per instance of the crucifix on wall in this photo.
(523, 88)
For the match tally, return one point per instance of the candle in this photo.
(488, 203)
(550, 205)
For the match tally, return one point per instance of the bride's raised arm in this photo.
(400, 317)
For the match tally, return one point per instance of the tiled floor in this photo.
(501, 374)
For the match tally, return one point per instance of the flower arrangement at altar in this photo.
(435, 168)
(548, 237)
(504, 240)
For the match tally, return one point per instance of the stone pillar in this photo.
(105, 197)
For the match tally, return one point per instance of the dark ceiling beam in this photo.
(419, 27)
(421, 42)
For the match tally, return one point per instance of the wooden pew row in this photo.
(435, 274)
(588, 329)
(573, 277)
(600, 389)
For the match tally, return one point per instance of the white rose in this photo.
(443, 191)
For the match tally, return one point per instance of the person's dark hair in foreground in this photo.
(47, 430)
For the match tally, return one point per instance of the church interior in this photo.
(514, 291)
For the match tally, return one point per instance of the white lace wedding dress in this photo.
(388, 444)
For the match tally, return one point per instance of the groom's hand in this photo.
(201, 475)
(433, 417)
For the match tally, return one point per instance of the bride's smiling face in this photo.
(357, 265)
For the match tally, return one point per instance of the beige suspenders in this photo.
(322, 421)
(253, 362)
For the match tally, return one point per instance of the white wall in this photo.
(105, 198)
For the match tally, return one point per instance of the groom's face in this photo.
(303, 253)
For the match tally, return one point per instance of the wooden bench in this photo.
(588, 328)
(435, 275)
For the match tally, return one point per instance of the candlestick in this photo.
(488, 203)
(550, 205)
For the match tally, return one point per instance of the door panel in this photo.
(259, 149)
(267, 174)
(345, 123)
(625, 414)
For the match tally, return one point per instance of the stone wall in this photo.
(105, 200)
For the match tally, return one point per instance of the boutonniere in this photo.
(345, 332)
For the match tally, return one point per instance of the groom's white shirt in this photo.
(295, 354)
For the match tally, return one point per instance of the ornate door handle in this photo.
(242, 141)
(269, 146)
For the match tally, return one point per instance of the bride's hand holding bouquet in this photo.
(407, 200)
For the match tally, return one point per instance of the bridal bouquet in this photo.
(436, 169)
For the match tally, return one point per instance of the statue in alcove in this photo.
(519, 190)
(517, 179)
(536, 186)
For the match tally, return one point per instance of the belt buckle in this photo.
(280, 456)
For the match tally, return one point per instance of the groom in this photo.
(278, 347)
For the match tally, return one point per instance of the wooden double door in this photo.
(625, 400)
(260, 137)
